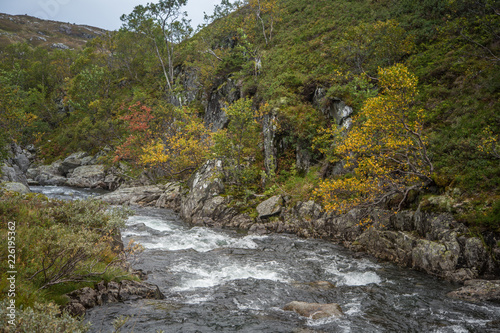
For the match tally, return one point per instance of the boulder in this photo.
(47, 174)
(437, 258)
(203, 185)
(475, 254)
(478, 291)
(131, 290)
(270, 207)
(15, 187)
(162, 196)
(87, 176)
(72, 162)
(16, 164)
(12, 174)
(314, 310)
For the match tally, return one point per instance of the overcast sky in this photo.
(99, 13)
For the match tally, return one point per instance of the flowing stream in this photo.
(225, 281)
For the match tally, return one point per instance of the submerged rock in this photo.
(314, 310)
(478, 291)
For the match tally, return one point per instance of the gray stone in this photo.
(270, 207)
(165, 196)
(75, 309)
(87, 176)
(22, 162)
(85, 296)
(478, 291)
(314, 310)
(475, 253)
(130, 290)
(436, 257)
(15, 187)
(204, 184)
(71, 162)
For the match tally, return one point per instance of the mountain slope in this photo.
(44, 33)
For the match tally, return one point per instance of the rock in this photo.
(270, 207)
(103, 293)
(85, 296)
(269, 133)
(203, 185)
(227, 93)
(22, 162)
(165, 196)
(71, 162)
(321, 285)
(109, 295)
(395, 246)
(314, 310)
(475, 254)
(12, 174)
(87, 176)
(436, 257)
(314, 286)
(130, 290)
(75, 309)
(309, 210)
(15, 187)
(478, 291)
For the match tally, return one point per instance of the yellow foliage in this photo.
(183, 147)
(386, 147)
(490, 142)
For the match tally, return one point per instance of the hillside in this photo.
(266, 87)
(44, 33)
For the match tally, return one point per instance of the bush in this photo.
(40, 318)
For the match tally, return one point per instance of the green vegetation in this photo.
(59, 247)
(143, 91)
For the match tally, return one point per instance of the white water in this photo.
(221, 281)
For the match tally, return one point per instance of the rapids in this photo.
(226, 281)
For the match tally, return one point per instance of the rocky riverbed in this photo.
(431, 242)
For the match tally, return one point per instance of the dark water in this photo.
(223, 281)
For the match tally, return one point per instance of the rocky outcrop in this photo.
(225, 94)
(103, 293)
(204, 186)
(478, 291)
(77, 170)
(46, 175)
(315, 310)
(333, 108)
(17, 163)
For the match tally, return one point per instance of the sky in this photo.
(98, 13)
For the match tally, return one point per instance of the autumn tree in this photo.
(137, 120)
(179, 146)
(385, 147)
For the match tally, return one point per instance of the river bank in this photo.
(432, 242)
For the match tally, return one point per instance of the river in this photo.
(225, 281)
